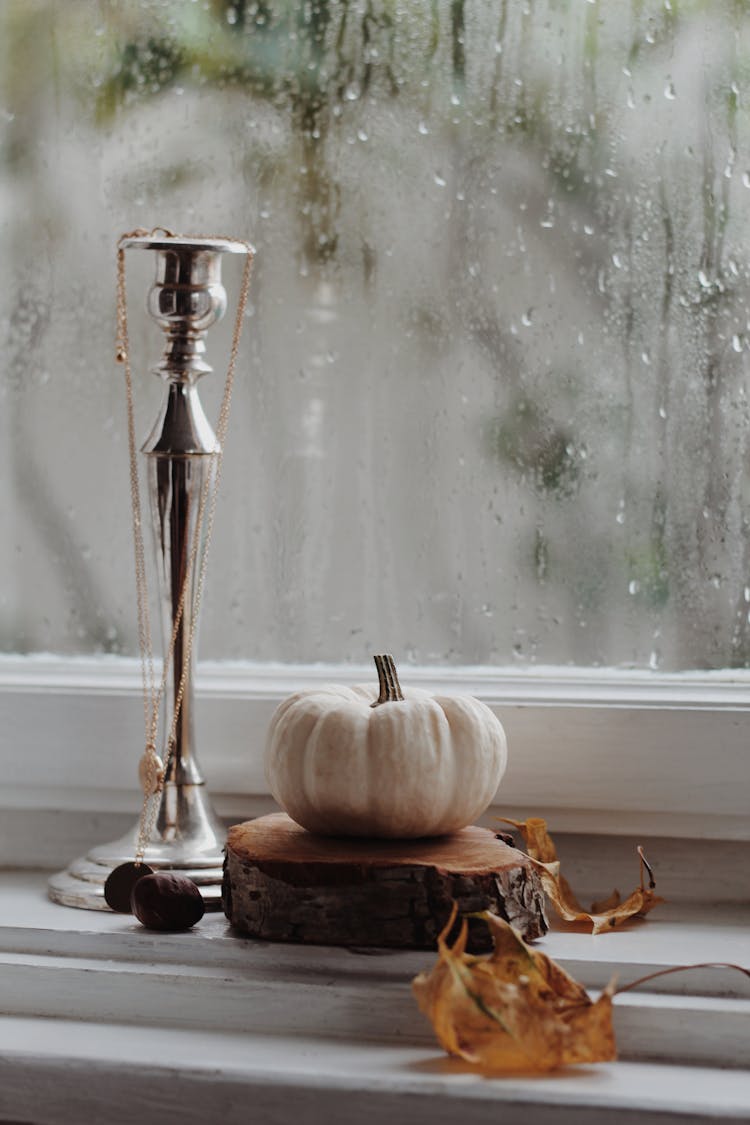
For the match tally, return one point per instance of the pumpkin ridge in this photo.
(323, 776)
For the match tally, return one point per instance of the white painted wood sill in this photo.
(101, 1022)
(104, 1022)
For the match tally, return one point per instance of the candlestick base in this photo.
(189, 841)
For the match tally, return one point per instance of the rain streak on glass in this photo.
(492, 398)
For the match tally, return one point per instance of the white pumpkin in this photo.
(346, 761)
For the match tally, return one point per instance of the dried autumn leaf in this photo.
(605, 915)
(515, 1010)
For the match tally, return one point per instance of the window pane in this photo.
(491, 404)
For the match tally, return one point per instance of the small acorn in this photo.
(166, 902)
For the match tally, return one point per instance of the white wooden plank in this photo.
(60, 962)
(655, 1027)
(61, 1072)
(672, 934)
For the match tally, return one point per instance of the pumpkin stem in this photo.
(390, 688)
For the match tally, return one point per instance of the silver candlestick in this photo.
(187, 298)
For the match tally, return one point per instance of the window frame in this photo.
(595, 751)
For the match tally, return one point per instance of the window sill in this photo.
(102, 1021)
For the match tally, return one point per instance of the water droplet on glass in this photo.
(231, 15)
(747, 593)
(439, 180)
(662, 413)
(646, 357)
(669, 92)
(620, 517)
(617, 261)
(703, 279)
(352, 93)
(455, 99)
(737, 342)
(746, 179)
(633, 586)
(526, 318)
(654, 660)
(362, 134)
(423, 128)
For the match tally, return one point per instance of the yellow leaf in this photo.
(603, 916)
(515, 1010)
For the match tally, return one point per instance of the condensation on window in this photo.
(492, 397)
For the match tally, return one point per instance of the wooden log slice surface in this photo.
(281, 883)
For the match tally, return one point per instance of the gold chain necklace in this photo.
(152, 771)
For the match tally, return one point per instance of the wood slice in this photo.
(281, 883)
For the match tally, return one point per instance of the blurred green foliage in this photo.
(314, 61)
(541, 451)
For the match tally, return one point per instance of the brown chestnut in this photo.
(166, 902)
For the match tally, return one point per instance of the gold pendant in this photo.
(150, 773)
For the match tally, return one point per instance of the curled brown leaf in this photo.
(603, 916)
(515, 1010)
